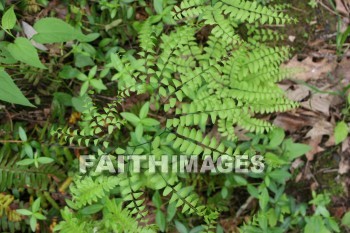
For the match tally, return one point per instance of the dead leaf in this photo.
(293, 122)
(345, 145)
(319, 102)
(315, 148)
(29, 31)
(344, 164)
(320, 129)
(298, 93)
(310, 70)
(342, 7)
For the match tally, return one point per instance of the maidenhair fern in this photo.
(226, 80)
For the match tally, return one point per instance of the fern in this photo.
(227, 81)
(14, 175)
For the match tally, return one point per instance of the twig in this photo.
(10, 141)
(244, 207)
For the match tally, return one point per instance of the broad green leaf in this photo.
(25, 162)
(8, 20)
(32, 223)
(340, 132)
(156, 199)
(160, 220)
(315, 224)
(98, 84)
(45, 160)
(24, 211)
(276, 137)
(36, 205)
(39, 216)
(150, 122)
(171, 211)
(180, 227)
(5, 56)
(158, 6)
(53, 30)
(144, 110)
(346, 220)
(22, 50)
(9, 92)
(130, 117)
(92, 209)
(295, 150)
(264, 199)
(22, 134)
(139, 132)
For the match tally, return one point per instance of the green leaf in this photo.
(180, 227)
(295, 150)
(28, 149)
(9, 92)
(8, 20)
(346, 220)
(32, 223)
(22, 134)
(130, 117)
(53, 30)
(160, 220)
(24, 212)
(264, 199)
(22, 50)
(45, 160)
(150, 122)
(139, 132)
(144, 110)
(156, 199)
(158, 6)
(25, 162)
(92, 209)
(171, 211)
(340, 132)
(315, 224)
(39, 216)
(36, 205)
(276, 137)
(98, 84)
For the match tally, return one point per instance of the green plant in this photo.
(150, 78)
(34, 213)
(190, 86)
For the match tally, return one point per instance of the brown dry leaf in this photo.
(342, 6)
(315, 148)
(293, 122)
(342, 71)
(310, 70)
(319, 103)
(344, 165)
(345, 145)
(298, 93)
(320, 129)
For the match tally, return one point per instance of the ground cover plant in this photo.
(110, 80)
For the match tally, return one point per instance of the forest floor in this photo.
(321, 84)
(322, 88)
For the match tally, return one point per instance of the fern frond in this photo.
(189, 9)
(13, 175)
(87, 190)
(252, 11)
